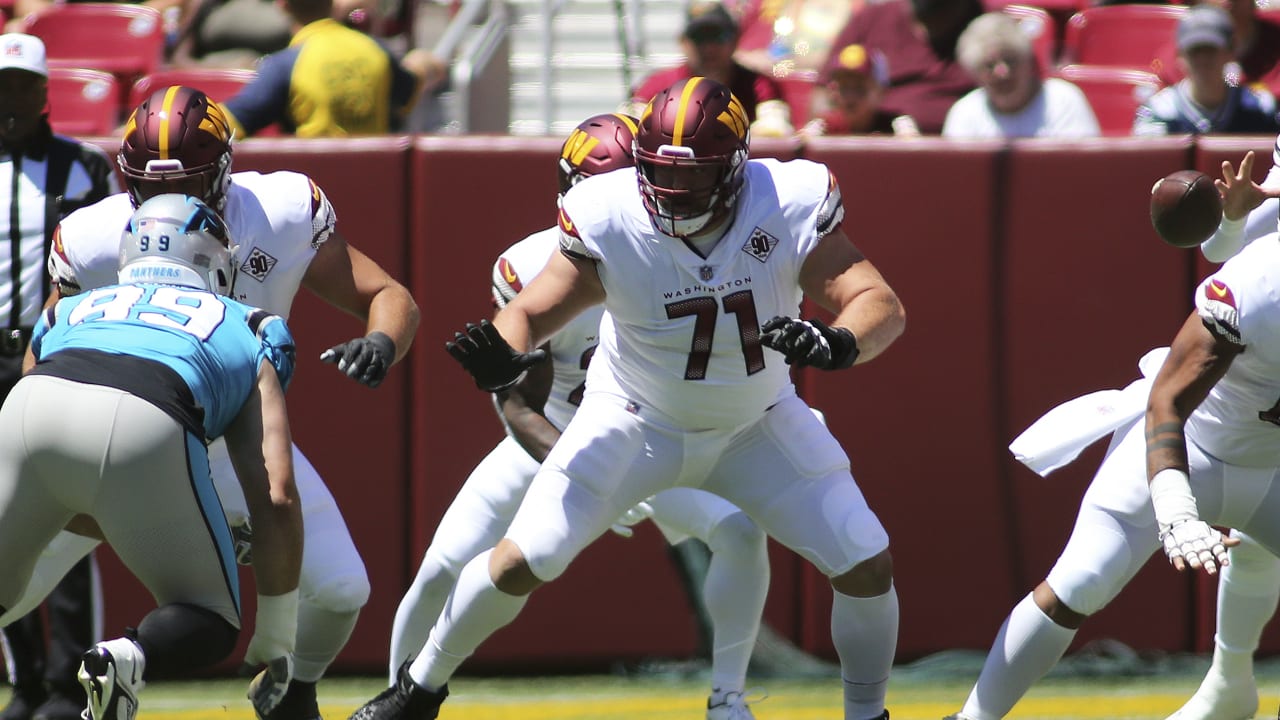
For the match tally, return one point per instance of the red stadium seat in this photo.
(1040, 26)
(123, 39)
(83, 102)
(220, 84)
(1131, 36)
(1062, 8)
(1113, 93)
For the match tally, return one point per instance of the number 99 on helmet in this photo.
(176, 239)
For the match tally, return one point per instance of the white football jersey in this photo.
(278, 220)
(682, 333)
(1239, 421)
(573, 345)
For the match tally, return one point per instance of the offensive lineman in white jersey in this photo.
(1211, 449)
(685, 388)
(535, 411)
(179, 141)
(1249, 586)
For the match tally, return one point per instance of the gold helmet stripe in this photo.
(677, 135)
(626, 120)
(166, 113)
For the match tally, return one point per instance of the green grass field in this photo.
(918, 692)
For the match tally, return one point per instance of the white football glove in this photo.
(1195, 544)
(637, 514)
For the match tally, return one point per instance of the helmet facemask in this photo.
(686, 195)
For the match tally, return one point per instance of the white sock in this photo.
(865, 633)
(417, 613)
(475, 610)
(321, 636)
(735, 590)
(1028, 645)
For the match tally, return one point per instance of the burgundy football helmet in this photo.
(691, 155)
(177, 141)
(599, 144)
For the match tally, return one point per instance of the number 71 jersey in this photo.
(1239, 421)
(682, 333)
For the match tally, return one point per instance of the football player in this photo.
(178, 141)
(687, 388)
(1249, 586)
(154, 368)
(535, 411)
(1207, 454)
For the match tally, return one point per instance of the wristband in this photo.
(277, 618)
(384, 343)
(844, 347)
(1172, 499)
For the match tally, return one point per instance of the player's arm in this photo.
(837, 276)
(522, 410)
(261, 450)
(1198, 358)
(564, 288)
(29, 358)
(351, 281)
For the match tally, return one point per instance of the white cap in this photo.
(19, 51)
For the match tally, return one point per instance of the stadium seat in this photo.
(1113, 93)
(1130, 36)
(1040, 26)
(123, 39)
(83, 102)
(1063, 8)
(220, 84)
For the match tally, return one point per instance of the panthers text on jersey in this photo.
(213, 343)
(682, 333)
(278, 220)
(1239, 421)
(573, 345)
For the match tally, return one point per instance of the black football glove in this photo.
(492, 362)
(810, 342)
(364, 359)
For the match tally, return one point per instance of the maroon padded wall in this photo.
(1087, 288)
(920, 422)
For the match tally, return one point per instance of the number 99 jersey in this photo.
(213, 343)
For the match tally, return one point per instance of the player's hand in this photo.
(269, 686)
(242, 536)
(364, 359)
(492, 362)
(1240, 194)
(634, 515)
(810, 342)
(1196, 544)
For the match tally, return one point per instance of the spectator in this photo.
(52, 175)
(918, 39)
(849, 101)
(709, 40)
(332, 81)
(1257, 48)
(229, 33)
(782, 37)
(1204, 101)
(1012, 100)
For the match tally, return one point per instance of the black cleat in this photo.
(299, 703)
(405, 700)
(24, 703)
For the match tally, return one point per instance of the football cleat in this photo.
(111, 673)
(405, 700)
(299, 703)
(732, 706)
(1218, 698)
(59, 706)
(25, 700)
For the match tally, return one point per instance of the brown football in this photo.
(1185, 208)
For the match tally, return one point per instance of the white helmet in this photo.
(178, 240)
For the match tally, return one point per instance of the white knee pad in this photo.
(736, 533)
(338, 593)
(1091, 570)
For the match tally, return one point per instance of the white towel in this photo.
(1061, 434)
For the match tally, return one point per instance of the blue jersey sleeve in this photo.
(277, 344)
(266, 99)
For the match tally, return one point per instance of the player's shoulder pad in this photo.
(571, 242)
(292, 197)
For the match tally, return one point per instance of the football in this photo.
(1185, 208)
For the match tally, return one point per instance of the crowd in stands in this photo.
(956, 68)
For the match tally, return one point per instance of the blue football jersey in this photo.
(214, 343)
